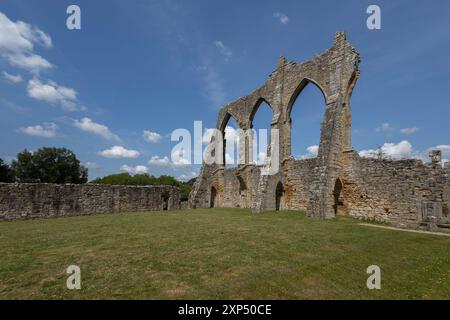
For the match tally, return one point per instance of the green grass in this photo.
(218, 254)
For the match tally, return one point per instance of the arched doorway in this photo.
(165, 198)
(212, 202)
(279, 193)
(242, 193)
(337, 195)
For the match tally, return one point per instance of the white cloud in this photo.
(178, 160)
(385, 127)
(119, 152)
(12, 78)
(224, 50)
(157, 161)
(284, 19)
(152, 137)
(17, 41)
(30, 62)
(388, 128)
(409, 130)
(134, 170)
(314, 150)
(311, 152)
(187, 176)
(86, 124)
(369, 153)
(53, 93)
(48, 130)
(400, 150)
(404, 149)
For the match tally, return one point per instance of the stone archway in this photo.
(308, 97)
(261, 119)
(338, 197)
(165, 197)
(240, 156)
(242, 193)
(279, 197)
(213, 198)
(335, 73)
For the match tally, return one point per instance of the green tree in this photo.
(145, 179)
(6, 174)
(49, 165)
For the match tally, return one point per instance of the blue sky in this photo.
(154, 66)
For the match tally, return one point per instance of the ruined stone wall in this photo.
(240, 186)
(405, 193)
(235, 187)
(394, 191)
(299, 176)
(22, 201)
(335, 72)
(446, 194)
(230, 195)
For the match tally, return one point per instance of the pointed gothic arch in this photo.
(304, 119)
(260, 120)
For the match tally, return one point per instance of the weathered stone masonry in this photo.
(38, 200)
(338, 181)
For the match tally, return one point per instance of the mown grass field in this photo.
(218, 254)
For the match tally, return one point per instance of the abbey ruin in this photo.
(49, 200)
(405, 193)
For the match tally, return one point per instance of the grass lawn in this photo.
(218, 254)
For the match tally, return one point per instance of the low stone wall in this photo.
(404, 193)
(39, 200)
(184, 205)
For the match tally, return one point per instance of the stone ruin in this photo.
(46, 200)
(405, 193)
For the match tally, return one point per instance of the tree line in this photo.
(146, 179)
(46, 165)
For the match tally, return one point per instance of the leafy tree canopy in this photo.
(145, 179)
(49, 165)
(6, 174)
